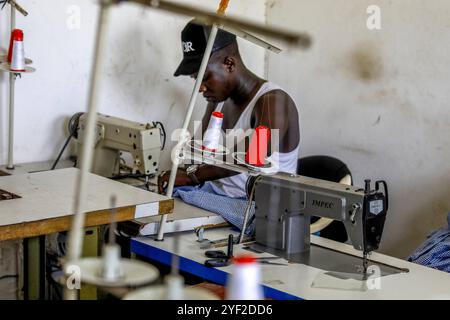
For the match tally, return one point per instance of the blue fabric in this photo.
(435, 251)
(210, 198)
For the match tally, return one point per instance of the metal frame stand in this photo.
(12, 84)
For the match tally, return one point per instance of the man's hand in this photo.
(181, 180)
(163, 181)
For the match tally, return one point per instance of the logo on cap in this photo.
(187, 47)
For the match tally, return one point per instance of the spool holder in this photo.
(134, 273)
(4, 66)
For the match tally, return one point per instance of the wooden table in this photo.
(46, 203)
(46, 206)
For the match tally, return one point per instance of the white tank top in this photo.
(234, 187)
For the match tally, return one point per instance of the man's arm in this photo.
(204, 172)
(277, 111)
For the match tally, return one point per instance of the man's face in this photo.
(216, 84)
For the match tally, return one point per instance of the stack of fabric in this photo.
(435, 251)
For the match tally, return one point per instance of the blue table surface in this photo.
(193, 267)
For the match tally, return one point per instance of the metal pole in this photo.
(18, 7)
(178, 149)
(207, 18)
(13, 17)
(247, 212)
(12, 82)
(76, 232)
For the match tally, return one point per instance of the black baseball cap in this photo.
(194, 39)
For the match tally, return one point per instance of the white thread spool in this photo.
(213, 133)
(111, 270)
(18, 53)
(175, 287)
(244, 283)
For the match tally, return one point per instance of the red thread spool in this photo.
(257, 150)
(244, 282)
(16, 35)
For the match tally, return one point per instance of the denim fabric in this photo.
(435, 251)
(209, 198)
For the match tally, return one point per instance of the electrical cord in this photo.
(163, 132)
(72, 127)
(73, 133)
(61, 152)
(133, 175)
(9, 276)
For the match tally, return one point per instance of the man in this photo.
(246, 101)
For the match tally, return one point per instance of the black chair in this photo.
(330, 169)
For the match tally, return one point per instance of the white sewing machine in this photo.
(114, 135)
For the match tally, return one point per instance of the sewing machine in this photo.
(115, 135)
(285, 203)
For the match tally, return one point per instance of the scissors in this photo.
(268, 260)
(220, 258)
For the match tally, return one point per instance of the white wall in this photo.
(138, 84)
(377, 100)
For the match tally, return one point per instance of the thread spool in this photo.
(244, 283)
(257, 151)
(111, 270)
(175, 287)
(18, 51)
(10, 49)
(213, 133)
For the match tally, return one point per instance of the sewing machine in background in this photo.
(115, 136)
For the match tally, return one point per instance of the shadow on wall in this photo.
(365, 63)
(429, 216)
